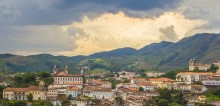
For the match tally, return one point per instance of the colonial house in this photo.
(52, 93)
(192, 76)
(138, 80)
(127, 85)
(98, 82)
(193, 65)
(154, 74)
(137, 101)
(212, 81)
(15, 93)
(126, 92)
(98, 92)
(184, 86)
(202, 99)
(126, 75)
(198, 89)
(38, 92)
(147, 86)
(73, 91)
(160, 82)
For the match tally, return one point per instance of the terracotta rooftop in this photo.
(102, 90)
(146, 84)
(63, 74)
(73, 88)
(160, 79)
(16, 89)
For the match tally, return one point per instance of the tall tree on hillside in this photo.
(30, 97)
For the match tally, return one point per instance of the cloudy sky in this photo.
(82, 27)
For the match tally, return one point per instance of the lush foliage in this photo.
(213, 95)
(114, 82)
(1, 91)
(168, 98)
(141, 89)
(30, 97)
(172, 74)
(6, 102)
(42, 103)
(66, 103)
(29, 78)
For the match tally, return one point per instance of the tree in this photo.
(42, 103)
(30, 97)
(69, 97)
(18, 81)
(213, 68)
(174, 104)
(141, 89)
(66, 103)
(18, 103)
(163, 102)
(126, 81)
(4, 102)
(1, 91)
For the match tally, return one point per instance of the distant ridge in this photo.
(165, 55)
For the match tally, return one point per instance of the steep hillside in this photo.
(164, 55)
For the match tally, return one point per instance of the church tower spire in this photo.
(66, 70)
(55, 69)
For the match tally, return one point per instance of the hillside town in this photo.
(131, 89)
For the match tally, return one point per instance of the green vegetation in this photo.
(114, 82)
(6, 72)
(66, 103)
(168, 98)
(95, 71)
(29, 78)
(126, 81)
(213, 95)
(42, 103)
(141, 89)
(30, 97)
(1, 91)
(6, 102)
(164, 55)
(172, 74)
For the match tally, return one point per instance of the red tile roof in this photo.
(160, 79)
(15, 89)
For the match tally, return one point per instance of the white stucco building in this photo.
(192, 76)
(97, 92)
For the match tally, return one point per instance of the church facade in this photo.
(62, 78)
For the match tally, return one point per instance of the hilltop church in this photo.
(62, 78)
(193, 65)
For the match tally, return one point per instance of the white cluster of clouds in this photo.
(98, 31)
(110, 31)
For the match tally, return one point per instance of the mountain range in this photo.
(165, 55)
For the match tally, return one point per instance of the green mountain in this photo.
(164, 55)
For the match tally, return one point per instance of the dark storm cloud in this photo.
(44, 12)
(128, 4)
